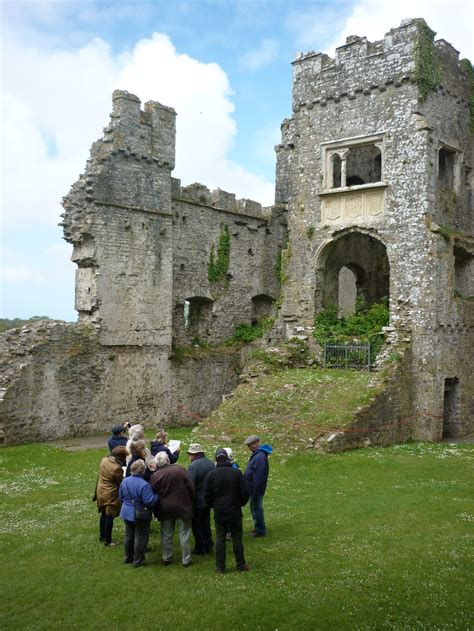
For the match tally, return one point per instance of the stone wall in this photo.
(249, 287)
(58, 380)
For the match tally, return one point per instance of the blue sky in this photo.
(225, 65)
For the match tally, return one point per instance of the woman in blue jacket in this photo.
(135, 491)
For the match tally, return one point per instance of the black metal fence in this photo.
(347, 356)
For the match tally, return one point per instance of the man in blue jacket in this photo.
(256, 475)
(118, 439)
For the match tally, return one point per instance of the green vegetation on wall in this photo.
(469, 70)
(218, 266)
(6, 324)
(427, 65)
(365, 325)
(250, 332)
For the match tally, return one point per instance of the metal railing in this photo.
(347, 356)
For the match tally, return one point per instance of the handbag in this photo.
(142, 513)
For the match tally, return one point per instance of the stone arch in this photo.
(262, 307)
(365, 255)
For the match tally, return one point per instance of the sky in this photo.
(224, 65)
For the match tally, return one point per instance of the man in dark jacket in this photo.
(225, 490)
(176, 490)
(118, 439)
(201, 523)
(256, 475)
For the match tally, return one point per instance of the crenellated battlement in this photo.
(222, 200)
(363, 66)
(147, 134)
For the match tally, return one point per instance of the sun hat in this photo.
(195, 448)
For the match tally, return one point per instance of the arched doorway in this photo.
(353, 269)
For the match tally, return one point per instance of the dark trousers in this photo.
(234, 526)
(201, 526)
(256, 508)
(106, 524)
(136, 540)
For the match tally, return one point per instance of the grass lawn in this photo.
(368, 539)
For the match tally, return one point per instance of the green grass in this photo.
(367, 539)
(297, 404)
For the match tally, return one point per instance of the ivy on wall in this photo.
(469, 70)
(427, 66)
(218, 265)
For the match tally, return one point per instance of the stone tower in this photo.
(375, 166)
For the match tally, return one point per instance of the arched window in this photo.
(336, 164)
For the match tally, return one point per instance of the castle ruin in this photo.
(373, 198)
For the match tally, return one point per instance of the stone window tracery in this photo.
(354, 162)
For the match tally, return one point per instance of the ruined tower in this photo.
(373, 200)
(375, 167)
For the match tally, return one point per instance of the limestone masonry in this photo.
(373, 198)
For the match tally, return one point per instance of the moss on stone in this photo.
(427, 66)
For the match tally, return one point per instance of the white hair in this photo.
(230, 453)
(136, 432)
(161, 459)
(138, 467)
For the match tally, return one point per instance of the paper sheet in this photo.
(174, 445)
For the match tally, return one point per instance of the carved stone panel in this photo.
(352, 206)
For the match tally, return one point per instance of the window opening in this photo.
(336, 164)
(463, 273)
(446, 164)
(186, 313)
(363, 165)
(451, 407)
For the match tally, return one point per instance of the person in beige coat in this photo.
(107, 492)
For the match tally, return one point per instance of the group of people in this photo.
(139, 483)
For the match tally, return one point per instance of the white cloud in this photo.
(312, 28)
(20, 273)
(452, 21)
(56, 102)
(260, 57)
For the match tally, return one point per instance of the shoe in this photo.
(165, 562)
(197, 552)
(111, 544)
(127, 561)
(244, 568)
(256, 534)
(139, 564)
(219, 571)
(228, 536)
(187, 564)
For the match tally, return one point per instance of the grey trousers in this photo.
(184, 532)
